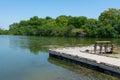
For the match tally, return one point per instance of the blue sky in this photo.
(15, 10)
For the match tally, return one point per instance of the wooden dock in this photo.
(79, 54)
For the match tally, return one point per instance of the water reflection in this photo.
(37, 44)
(84, 73)
(28, 59)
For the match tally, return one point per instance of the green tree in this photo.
(107, 25)
(90, 28)
(1, 31)
(78, 21)
(111, 17)
(62, 21)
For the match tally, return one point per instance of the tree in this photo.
(62, 21)
(1, 31)
(78, 21)
(107, 25)
(111, 17)
(90, 28)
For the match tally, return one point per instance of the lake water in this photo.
(27, 58)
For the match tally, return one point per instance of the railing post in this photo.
(95, 47)
(100, 47)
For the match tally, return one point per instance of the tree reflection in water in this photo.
(82, 71)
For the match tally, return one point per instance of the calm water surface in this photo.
(26, 58)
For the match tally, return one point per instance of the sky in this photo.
(15, 10)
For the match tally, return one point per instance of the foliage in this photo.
(107, 25)
(5, 32)
(1, 31)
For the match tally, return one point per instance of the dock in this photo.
(80, 55)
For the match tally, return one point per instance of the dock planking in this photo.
(79, 54)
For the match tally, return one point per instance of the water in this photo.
(26, 58)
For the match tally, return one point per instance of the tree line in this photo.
(107, 25)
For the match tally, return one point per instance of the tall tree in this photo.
(111, 17)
